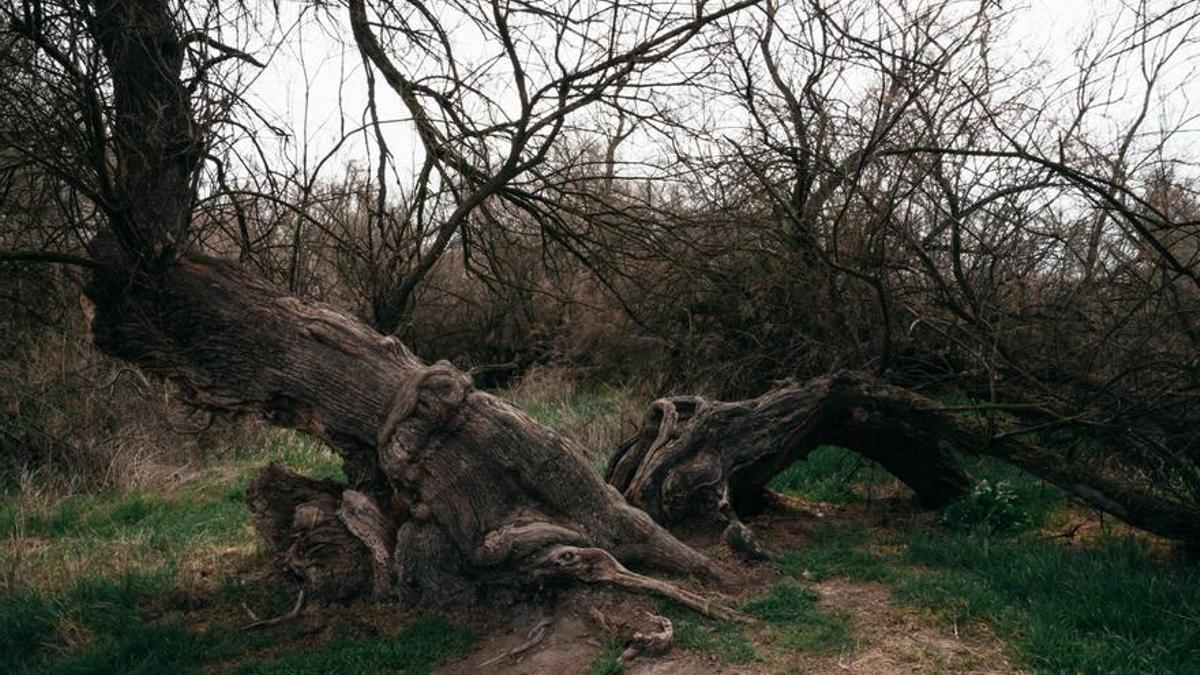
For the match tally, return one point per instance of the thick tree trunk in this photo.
(451, 491)
(697, 459)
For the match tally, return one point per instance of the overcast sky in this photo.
(314, 83)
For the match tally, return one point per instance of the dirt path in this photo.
(887, 639)
(897, 640)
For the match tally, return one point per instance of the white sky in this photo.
(335, 95)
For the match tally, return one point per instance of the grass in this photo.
(830, 474)
(106, 583)
(205, 517)
(103, 625)
(608, 661)
(791, 610)
(788, 610)
(838, 551)
(1110, 605)
(97, 625)
(595, 415)
(414, 650)
(91, 582)
(725, 640)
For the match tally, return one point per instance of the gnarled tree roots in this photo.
(344, 546)
(696, 459)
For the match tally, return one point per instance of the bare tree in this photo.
(452, 491)
(450, 488)
(1005, 241)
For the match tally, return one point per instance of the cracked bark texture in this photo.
(695, 460)
(699, 460)
(450, 492)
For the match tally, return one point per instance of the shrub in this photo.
(988, 507)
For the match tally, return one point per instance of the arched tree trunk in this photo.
(695, 459)
(452, 492)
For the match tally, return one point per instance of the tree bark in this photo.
(695, 459)
(451, 492)
(710, 461)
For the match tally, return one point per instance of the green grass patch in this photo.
(112, 532)
(161, 519)
(118, 625)
(724, 639)
(416, 649)
(1107, 607)
(608, 661)
(792, 612)
(595, 415)
(99, 625)
(299, 452)
(829, 474)
(838, 551)
(563, 414)
(88, 577)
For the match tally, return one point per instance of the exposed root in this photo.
(535, 637)
(594, 565)
(367, 522)
(259, 623)
(655, 642)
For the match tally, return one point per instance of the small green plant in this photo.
(991, 507)
(608, 661)
(792, 611)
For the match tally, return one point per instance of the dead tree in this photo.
(451, 490)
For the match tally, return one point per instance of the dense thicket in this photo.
(861, 199)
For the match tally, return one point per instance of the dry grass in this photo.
(597, 416)
(73, 420)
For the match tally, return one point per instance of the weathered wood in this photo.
(695, 458)
(699, 459)
(449, 488)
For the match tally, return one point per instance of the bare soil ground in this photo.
(885, 637)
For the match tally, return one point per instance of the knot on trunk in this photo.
(420, 406)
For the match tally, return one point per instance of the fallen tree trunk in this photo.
(710, 461)
(451, 492)
(694, 459)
